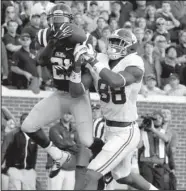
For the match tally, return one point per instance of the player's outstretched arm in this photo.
(131, 74)
(79, 83)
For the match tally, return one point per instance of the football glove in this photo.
(63, 32)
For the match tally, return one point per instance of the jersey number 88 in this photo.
(106, 95)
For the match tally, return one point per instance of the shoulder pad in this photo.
(43, 36)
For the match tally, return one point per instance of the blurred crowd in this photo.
(159, 26)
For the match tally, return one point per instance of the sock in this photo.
(53, 151)
(152, 187)
(96, 147)
(40, 138)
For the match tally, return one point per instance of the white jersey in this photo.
(119, 104)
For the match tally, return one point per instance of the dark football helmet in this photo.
(59, 14)
(121, 43)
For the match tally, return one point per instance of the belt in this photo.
(117, 123)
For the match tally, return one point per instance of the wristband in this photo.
(98, 67)
(123, 79)
(75, 77)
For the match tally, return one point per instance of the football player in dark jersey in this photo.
(58, 42)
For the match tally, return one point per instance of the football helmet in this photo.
(59, 14)
(121, 43)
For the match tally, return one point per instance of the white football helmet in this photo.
(121, 43)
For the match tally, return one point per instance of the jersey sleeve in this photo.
(42, 37)
(135, 60)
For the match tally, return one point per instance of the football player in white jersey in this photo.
(117, 77)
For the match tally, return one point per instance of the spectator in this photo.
(181, 51)
(74, 8)
(174, 88)
(80, 7)
(4, 65)
(101, 23)
(156, 4)
(172, 23)
(152, 154)
(161, 29)
(169, 64)
(8, 122)
(149, 59)
(178, 9)
(12, 44)
(21, 167)
(150, 17)
(65, 137)
(165, 12)
(24, 66)
(10, 14)
(159, 54)
(78, 20)
(103, 41)
(98, 123)
(132, 18)
(141, 23)
(43, 5)
(26, 12)
(148, 35)
(11, 39)
(139, 32)
(43, 20)
(150, 87)
(128, 25)
(113, 25)
(4, 5)
(115, 10)
(91, 16)
(105, 15)
(141, 9)
(126, 8)
(170, 168)
(33, 27)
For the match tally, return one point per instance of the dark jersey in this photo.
(61, 61)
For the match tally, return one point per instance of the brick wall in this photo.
(18, 105)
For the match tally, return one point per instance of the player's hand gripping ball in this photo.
(84, 54)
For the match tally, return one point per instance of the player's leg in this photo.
(46, 111)
(120, 143)
(69, 181)
(81, 110)
(56, 182)
(123, 175)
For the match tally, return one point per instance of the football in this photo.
(78, 35)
